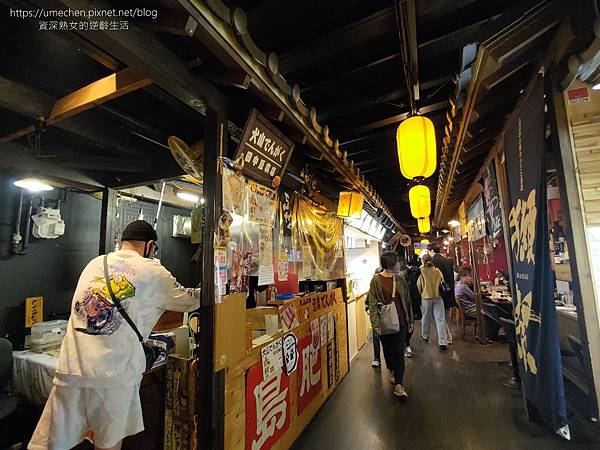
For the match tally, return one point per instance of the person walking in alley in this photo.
(390, 310)
(432, 304)
(446, 266)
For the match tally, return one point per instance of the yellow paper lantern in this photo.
(419, 199)
(417, 152)
(350, 205)
(424, 225)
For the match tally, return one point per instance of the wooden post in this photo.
(481, 332)
(582, 284)
(210, 389)
(107, 221)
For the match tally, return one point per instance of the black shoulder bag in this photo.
(151, 352)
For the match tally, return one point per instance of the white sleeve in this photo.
(177, 298)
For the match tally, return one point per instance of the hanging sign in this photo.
(267, 408)
(535, 312)
(264, 150)
(290, 352)
(491, 202)
(261, 203)
(309, 377)
(234, 187)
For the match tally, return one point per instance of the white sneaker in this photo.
(408, 352)
(399, 391)
(375, 363)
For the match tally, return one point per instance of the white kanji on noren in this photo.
(309, 361)
(271, 409)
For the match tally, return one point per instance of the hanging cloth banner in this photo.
(319, 234)
(535, 312)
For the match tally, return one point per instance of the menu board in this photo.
(491, 202)
(264, 150)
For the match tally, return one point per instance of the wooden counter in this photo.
(272, 413)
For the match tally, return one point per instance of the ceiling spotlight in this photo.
(33, 184)
(454, 223)
(188, 197)
(445, 231)
(596, 87)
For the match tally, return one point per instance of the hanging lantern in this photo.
(350, 205)
(417, 153)
(419, 199)
(424, 224)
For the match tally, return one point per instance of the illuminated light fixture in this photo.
(350, 205)
(33, 185)
(445, 231)
(424, 225)
(596, 87)
(450, 238)
(454, 223)
(417, 153)
(419, 199)
(188, 197)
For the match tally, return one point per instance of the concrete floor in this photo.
(456, 401)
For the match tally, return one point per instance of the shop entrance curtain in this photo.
(318, 236)
(532, 280)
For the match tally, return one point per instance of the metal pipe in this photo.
(162, 193)
(16, 238)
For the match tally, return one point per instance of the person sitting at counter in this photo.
(502, 278)
(468, 301)
(101, 362)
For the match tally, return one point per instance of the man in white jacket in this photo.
(97, 381)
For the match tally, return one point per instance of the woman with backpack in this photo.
(390, 310)
(432, 304)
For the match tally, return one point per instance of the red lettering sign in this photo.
(267, 408)
(309, 371)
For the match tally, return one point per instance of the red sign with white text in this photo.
(267, 408)
(309, 371)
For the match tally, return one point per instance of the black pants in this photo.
(377, 346)
(393, 350)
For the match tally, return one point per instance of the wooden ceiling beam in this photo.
(150, 58)
(396, 119)
(345, 110)
(94, 94)
(33, 104)
(331, 43)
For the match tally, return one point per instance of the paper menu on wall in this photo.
(272, 359)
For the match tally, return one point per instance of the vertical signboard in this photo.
(309, 375)
(267, 408)
(533, 286)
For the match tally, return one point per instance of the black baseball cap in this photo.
(139, 230)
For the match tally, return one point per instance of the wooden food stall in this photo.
(265, 407)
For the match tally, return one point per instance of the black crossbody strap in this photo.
(118, 304)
